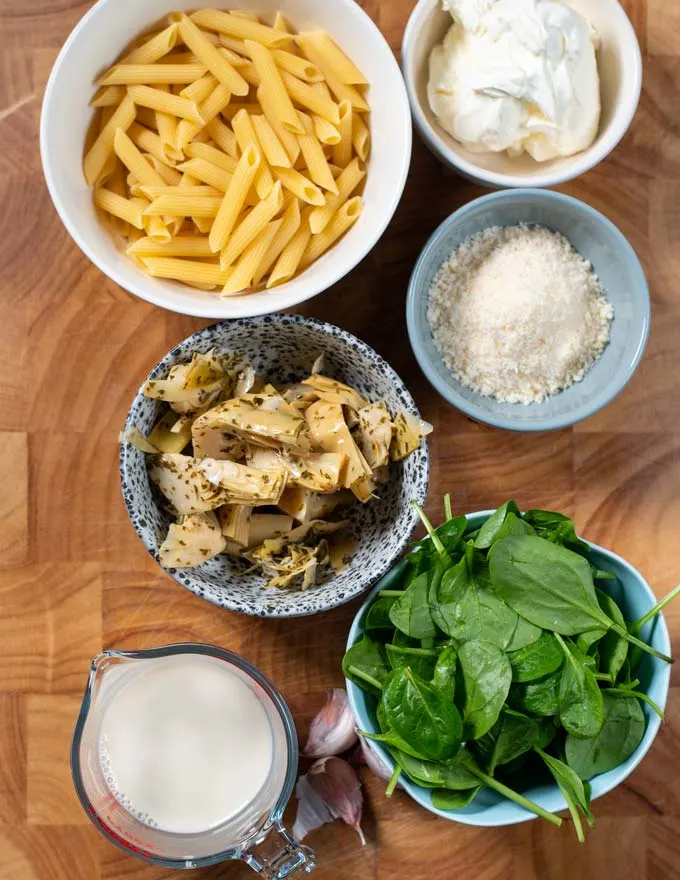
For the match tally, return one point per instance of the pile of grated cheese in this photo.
(517, 314)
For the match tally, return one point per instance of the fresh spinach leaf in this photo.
(407, 652)
(365, 664)
(487, 533)
(452, 774)
(537, 660)
(512, 735)
(538, 697)
(586, 640)
(580, 698)
(557, 528)
(573, 791)
(486, 676)
(411, 612)
(446, 799)
(612, 648)
(547, 731)
(378, 615)
(513, 525)
(525, 634)
(619, 736)
(550, 586)
(422, 715)
(449, 533)
(444, 677)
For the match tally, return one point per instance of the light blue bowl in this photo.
(614, 261)
(632, 592)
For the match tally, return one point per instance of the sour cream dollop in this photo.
(517, 75)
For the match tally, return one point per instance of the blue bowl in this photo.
(632, 592)
(614, 261)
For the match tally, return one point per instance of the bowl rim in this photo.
(410, 516)
(582, 162)
(222, 309)
(651, 730)
(447, 391)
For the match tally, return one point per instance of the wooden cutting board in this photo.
(74, 577)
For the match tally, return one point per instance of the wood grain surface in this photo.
(74, 577)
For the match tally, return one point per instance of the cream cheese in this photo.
(517, 75)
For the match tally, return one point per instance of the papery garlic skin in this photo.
(330, 790)
(333, 730)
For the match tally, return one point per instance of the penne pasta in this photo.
(340, 222)
(300, 186)
(290, 223)
(341, 90)
(98, 154)
(151, 74)
(268, 140)
(342, 151)
(297, 66)
(146, 117)
(326, 132)
(170, 175)
(242, 274)
(121, 207)
(280, 24)
(243, 13)
(109, 96)
(184, 206)
(203, 224)
(189, 271)
(347, 182)
(246, 136)
(156, 99)
(156, 229)
(273, 86)
(311, 98)
(236, 106)
(133, 160)
(348, 72)
(211, 154)
(208, 173)
(200, 89)
(289, 140)
(224, 137)
(209, 109)
(253, 224)
(151, 143)
(239, 27)
(153, 48)
(180, 246)
(314, 157)
(287, 264)
(167, 131)
(216, 63)
(153, 192)
(361, 137)
(234, 198)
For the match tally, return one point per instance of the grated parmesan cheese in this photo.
(517, 314)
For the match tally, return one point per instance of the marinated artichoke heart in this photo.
(184, 484)
(329, 430)
(243, 484)
(319, 471)
(374, 434)
(193, 540)
(408, 431)
(304, 505)
(336, 392)
(299, 558)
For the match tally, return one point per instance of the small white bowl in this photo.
(96, 42)
(620, 66)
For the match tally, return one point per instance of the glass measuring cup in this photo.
(255, 835)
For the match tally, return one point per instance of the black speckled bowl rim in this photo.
(379, 555)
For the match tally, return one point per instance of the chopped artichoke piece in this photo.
(364, 489)
(134, 437)
(336, 392)
(319, 471)
(300, 396)
(290, 562)
(374, 434)
(192, 541)
(319, 364)
(265, 526)
(234, 520)
(243, 484)
(407, 433)
(329, 431)
(305, 505)
(171, 434)
(185, 486)
(254, 422)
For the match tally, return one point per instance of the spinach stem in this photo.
(601, 575)
(364, 676)
(391, 594)
(575, 817)
(416, 652)
(627, 692)
(603, 676)
(640, 644)
(394, 778)
(436, 540)
(516, 797)
(448, 512)
(657, 609)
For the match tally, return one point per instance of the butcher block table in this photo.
(74, 577)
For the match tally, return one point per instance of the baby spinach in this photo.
(365, 663)
(378, 616)
(513, 525)
(573, 790)
(411, 611)
(444, 677)
(512, 735)
(421, 715)
(489, 530)
(580, 698)
(486, 675)
(452, 774)
(620, 734)
(550, 586)
(538, 697)
(556, 528)
(445, 799)
(537, 660)
(525, 634)
(407, 652)
(613, 650)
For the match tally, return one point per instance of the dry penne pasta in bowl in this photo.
(231, 156)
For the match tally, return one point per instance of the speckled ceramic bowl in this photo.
(283, 348)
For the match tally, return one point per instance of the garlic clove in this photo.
(364, 754)
(333, 730)
(330, 790)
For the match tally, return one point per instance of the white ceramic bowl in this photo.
(99, 38)
(620, 65)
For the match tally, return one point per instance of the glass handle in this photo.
(279, 855)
